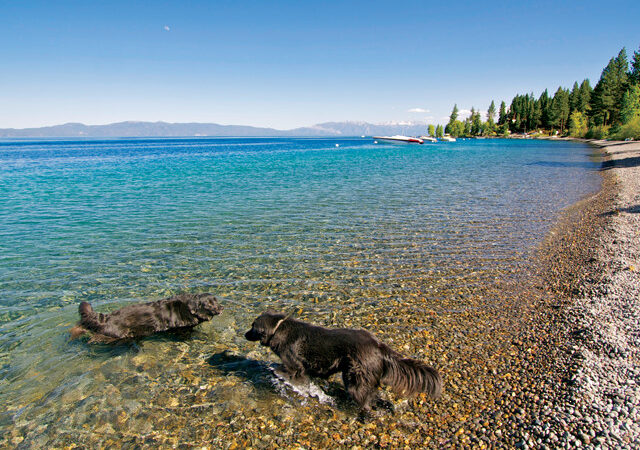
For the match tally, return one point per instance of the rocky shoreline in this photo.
(592, 263)
(606, 321)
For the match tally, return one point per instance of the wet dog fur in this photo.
(179, 313)
(365, 362)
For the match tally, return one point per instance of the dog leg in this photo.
(362, 390)
(292, 368)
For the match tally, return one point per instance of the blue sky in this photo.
(286, 64)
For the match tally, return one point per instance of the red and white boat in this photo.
(397, 139)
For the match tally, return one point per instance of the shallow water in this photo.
(409, 242)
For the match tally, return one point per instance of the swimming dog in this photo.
(182, 312)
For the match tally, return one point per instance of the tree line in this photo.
(610, 109)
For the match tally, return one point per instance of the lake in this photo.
(400, 240)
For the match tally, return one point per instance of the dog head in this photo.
(264, 327)
(204, 306)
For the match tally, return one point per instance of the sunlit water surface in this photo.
(339, 232)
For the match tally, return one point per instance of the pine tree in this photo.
(536, 115)
(525, 112)
(502, 115)
(545, 110)
(622, 69)
(467, 126)
(515, 112)
(490, 126)
(491, 112)
(452, 120)
(533, 112)
(574, 97)
(560, 108)
(454, 114)
(455, 130)
(476, 122)
(634, 74)
(584, 96)
(607, 96)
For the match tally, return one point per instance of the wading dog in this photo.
(181, 312)
(365, 362)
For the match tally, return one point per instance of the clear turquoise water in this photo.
(292, 224)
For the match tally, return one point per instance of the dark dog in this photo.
(365, 362)
(181, 312)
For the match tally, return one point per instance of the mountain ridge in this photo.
(186, 129)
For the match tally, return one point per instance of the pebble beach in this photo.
(599, 320)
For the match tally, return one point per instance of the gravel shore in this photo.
(593, 264)
(608, 378)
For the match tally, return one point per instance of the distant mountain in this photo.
(164, 129)
(368, 129)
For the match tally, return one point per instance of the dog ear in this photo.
(265, 328)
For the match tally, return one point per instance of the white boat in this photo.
(447, 138)
(397, 139)
(428, 139)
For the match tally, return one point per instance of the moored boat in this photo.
(428, 139)
(398, 139)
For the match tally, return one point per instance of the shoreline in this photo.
(591, 262)
(606, 320)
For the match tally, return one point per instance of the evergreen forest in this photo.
(611, 109)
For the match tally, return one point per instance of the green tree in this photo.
(534, 112)
(606, 99)
(634, 74)
(467, 127)
(456, 129)
(502, 115)
(574, 97)
(491, 114)
(630, 130)
(524, 113)
(578, 124)
(476, 122)
(584, 96)
(546, 114)
(452, 120)
(560, 108)
(515, 114)
(630, 104)
(454, 114)
(439, 131)
(432, 130)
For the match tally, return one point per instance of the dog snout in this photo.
(251, 335)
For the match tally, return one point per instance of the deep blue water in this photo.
(285, 223)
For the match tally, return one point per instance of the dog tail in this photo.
(88, 317)
(408, 376)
